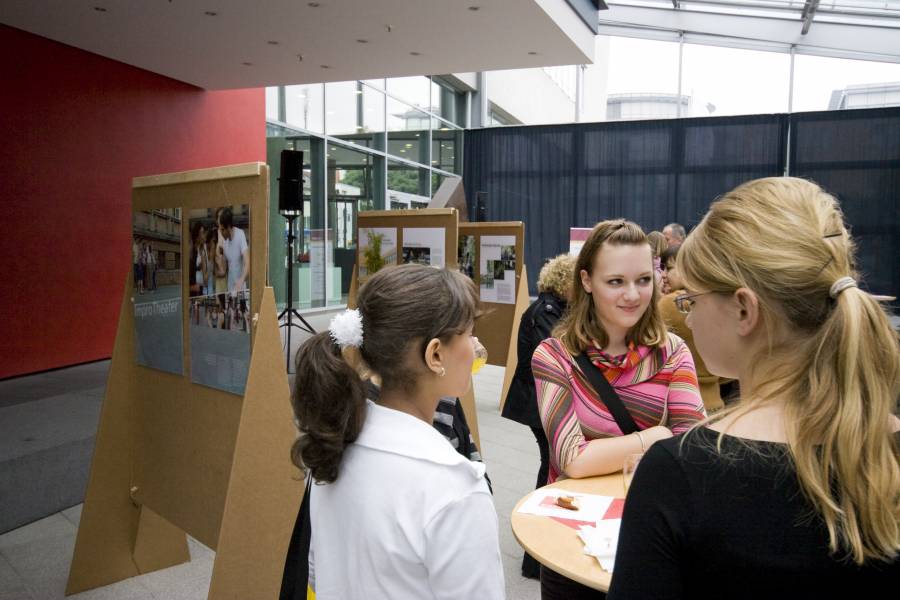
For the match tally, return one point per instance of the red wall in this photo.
(74, 129)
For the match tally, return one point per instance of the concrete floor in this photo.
(35, 558)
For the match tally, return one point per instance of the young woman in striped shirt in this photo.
(614, 319)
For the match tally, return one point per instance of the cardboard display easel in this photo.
(499, 327)
(174, 457)
(446, 218)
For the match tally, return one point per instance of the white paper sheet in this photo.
(591, 507)
(424, 245)
(497, 263)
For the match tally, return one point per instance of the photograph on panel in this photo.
(219, 313)
(156, 283)
(424, 246)
(466, 255)
(377, 249)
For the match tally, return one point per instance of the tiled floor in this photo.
(34, 559)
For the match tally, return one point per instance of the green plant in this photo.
(372, 254)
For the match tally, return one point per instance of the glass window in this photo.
(408, 186)
(378, 83)
(448, 103)
(355, 113)
(414, 90)
(407, 132)
(822, 83)
(446, 147)
(272, 103)
(642, 81)
(352, 187)
(304, 106)
(729, 81)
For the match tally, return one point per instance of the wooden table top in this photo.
(557, 546)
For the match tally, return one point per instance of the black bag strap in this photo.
(296, 563)
(607, 394)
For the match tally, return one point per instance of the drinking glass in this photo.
(629, 467)
(480, 356)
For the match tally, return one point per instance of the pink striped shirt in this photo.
(658, 386)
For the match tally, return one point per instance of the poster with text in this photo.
(466, 255)
(156, 293)
(424, 246)
(218, 315)
(377, 249)
(497, 263)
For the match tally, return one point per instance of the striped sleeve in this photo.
(685, 406)
(554, 396)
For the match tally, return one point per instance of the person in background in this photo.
(396, 512)
(138, 265)
(614, 328)
(658, 244)
(675, 322)
(554, 283)
(236, 252)
(795, 491)
(674, 233)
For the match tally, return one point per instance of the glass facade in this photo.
(368, 145)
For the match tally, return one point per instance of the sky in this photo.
(737, 81)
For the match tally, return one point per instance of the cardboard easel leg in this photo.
(265, 488)
(512, 359)
(471, 411)
(112, 527)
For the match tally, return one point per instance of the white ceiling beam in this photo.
(760, 33)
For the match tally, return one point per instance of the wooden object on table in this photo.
(557, 546)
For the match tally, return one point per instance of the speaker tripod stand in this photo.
(290, 313)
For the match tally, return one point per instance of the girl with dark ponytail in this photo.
(396, 512)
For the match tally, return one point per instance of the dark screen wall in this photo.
(656, 172)
(75, 128)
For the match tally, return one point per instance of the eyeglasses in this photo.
(685, 302)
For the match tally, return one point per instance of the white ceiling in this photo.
(254, 44)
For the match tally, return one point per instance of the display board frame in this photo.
(498, 328)
(174, 457)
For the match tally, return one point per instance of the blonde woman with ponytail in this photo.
(795, 491)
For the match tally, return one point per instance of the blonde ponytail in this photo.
(838, 369)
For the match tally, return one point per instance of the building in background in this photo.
(872, 95)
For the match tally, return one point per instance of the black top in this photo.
(536, 325)
(697, 525)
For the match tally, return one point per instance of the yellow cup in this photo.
(480, 356)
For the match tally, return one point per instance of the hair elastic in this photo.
(840, 285)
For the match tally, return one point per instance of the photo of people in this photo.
(466, 255)
(156, 285)
(419, 256)
(498, 267)
(219, 282)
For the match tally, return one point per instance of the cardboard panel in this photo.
(512, 355)
(184, 433)
(109, 527)
(265, 488)
(431, 217)
(499, 323)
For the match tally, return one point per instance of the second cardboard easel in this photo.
(498, 328)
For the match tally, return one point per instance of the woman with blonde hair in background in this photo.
(658, 245)
(611, 381)
(795, 491)
(554, 284)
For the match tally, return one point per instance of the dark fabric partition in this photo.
(855, 155)
(652, 172)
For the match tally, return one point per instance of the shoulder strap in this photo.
(296, 564)
(607, 394)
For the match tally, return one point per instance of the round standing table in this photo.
(558, 547)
